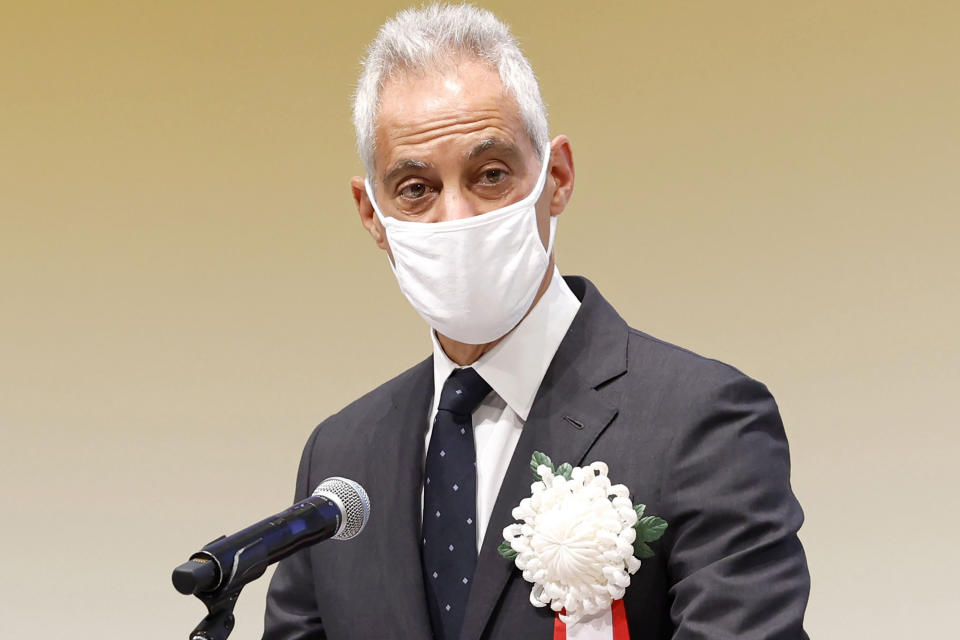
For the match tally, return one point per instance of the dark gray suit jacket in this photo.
(698, 442)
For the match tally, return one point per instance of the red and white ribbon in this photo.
(609, 624)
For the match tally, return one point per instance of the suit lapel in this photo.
(399, 445)
(567, 416)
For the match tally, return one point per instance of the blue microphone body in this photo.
(229, 562)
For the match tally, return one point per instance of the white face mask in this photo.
(472, 279)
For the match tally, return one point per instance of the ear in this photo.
(562, 173)
(368, 217)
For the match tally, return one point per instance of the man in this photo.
(463, 191)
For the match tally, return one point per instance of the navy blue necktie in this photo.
(450, 503)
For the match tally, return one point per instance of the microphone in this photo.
(339, 508)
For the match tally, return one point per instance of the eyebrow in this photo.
(493, 144)
(402, 166)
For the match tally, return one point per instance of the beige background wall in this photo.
(186, 290)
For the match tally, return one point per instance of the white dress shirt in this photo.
(514, 369)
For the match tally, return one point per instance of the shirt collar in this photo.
(515, 367)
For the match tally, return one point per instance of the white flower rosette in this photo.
(574, 539)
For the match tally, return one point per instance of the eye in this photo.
(493, 176)
(413, 191)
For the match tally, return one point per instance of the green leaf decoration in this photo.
(565, 470)
(538, 459)
(641, 549)
(651, 528)
(506, 550)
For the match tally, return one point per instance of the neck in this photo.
(466, 354)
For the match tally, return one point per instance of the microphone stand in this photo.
(248, 563)
(219, 621)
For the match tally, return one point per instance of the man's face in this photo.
(451, 144)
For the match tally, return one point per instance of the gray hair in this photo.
(415, 38)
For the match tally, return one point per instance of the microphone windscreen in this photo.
(353, 502)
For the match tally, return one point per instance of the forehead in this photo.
(425, 114)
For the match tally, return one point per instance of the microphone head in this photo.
(353, 502)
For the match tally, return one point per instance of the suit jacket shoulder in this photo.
(344, 433)
(697, 441)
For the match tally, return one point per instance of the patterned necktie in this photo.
(450, 503)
